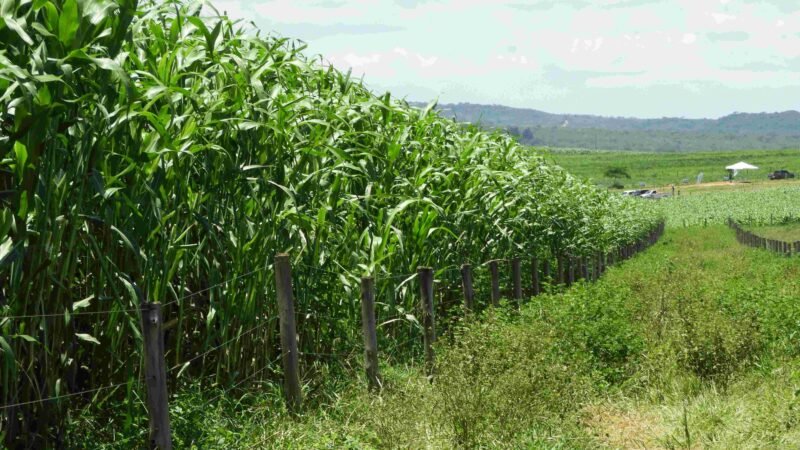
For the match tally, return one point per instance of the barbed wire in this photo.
(217, 347)
(269, 365)
(317, 269)
(222, 283)
(127, 310)
(78, 313)
(59, 397)
(327, 355)
(406, 276)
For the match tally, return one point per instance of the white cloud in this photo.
(427, 62)
(359, 61)
(485, 50)
(721, 18)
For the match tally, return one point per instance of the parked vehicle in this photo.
(649, 194)
(782, 174)
(643, 193)
(635, 192)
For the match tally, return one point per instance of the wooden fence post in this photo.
(570, 271)
(596, 270)
(466, 286)
(546, 275)
(516, 280)
(289, 352)
(370, 333)
(535, 287)
(560, 278)
(495, 275)
(585, 268)
(425, 275)
(155, 377)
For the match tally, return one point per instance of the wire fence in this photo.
(400, 328)
(751, 239)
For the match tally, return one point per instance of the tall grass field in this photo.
(155, 152)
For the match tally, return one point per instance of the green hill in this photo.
(767, 131)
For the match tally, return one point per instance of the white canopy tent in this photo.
(741, 165)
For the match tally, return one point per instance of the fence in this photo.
(568, 270)
(751, 239)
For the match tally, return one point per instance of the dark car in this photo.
(780, 175)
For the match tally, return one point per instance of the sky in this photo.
(638, 58)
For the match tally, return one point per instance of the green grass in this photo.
(693, 344)
(663, 169)
(789, 232)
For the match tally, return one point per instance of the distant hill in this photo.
(780, 130)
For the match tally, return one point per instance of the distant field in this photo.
(751, 204)
(663, 169)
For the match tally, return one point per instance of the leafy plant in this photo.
(158, 152)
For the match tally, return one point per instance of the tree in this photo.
(616, 172)
(527, 136)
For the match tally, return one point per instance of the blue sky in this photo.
(643, 58)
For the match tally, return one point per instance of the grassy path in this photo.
(719, 369)
(693, 344)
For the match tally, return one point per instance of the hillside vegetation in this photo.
(156, 152)
(732, 132)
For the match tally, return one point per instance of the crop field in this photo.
(664, 169)
(155, 158)
(169, 156)
(768, 205)
(693, 344)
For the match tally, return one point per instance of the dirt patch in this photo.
(625, 429)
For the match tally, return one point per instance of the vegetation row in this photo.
(158, 152)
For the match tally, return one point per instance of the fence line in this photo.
(215, 348)
(111, 311)
(59, 397)
(570, 269)
(750, 239)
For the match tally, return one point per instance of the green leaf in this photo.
(15, 26)
(134, 249)
(87, 337)
(5, 248)
(43, 96)
(6, 7)
(211, 315)
(47, 78)
(134, 297)
(26, 338)
(68, 23)
(23, 206)
(8, 354)
(21, 153)
(41, 29)
(183, 368)
(82, 303)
